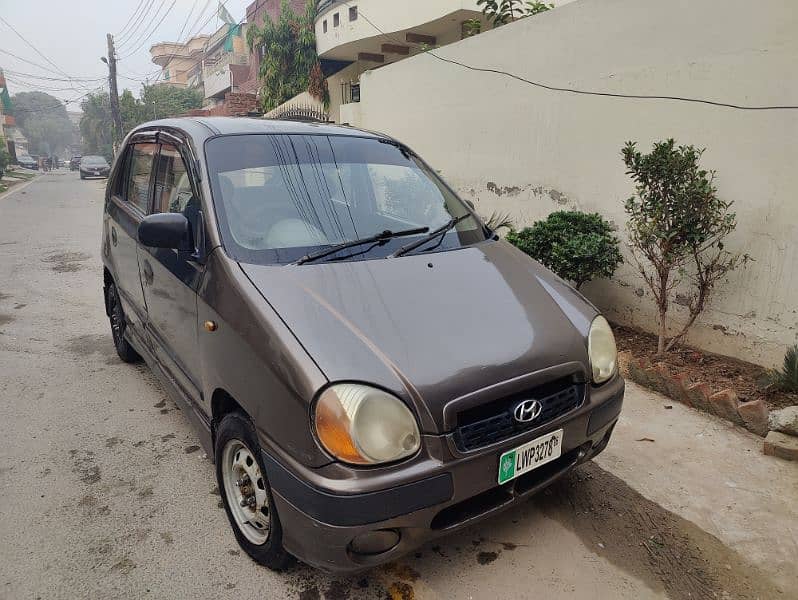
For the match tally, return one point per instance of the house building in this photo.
(8, 125)
(217, 64)
(181, 62)
(360, 35)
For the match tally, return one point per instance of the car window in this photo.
(172, 185)
(138, 182)
(393, 184)
(173, 191)
(279, 197)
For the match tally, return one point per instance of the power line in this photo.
(134, 30)
(64, 103)
(146, 33)
(130, 19)
(193, 31)
(61, 79)
(580, 91)
(35, 49)
(30, 62)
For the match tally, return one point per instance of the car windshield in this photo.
(94, 161)
(280, 197)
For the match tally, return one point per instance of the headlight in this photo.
(601, 350)
(363, 425)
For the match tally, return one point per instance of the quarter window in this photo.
(324, 25)
(138, 182)
(336, 20)
(353, 13)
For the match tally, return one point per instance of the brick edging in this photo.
(752, 415)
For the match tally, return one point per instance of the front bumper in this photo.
(103, 173)
(319, 526)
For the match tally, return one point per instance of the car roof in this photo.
(204, 127)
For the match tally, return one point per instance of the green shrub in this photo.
(4, 156)
(787, 378)
(577, 246)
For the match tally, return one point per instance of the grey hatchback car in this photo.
(368, 365)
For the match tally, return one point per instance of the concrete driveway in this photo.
(105, 493)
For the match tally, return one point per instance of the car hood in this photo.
(433, 327)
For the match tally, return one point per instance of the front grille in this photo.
(493, 422)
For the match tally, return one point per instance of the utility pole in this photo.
(114, 93)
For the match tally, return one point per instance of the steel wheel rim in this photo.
(117, 319)
(245, 491)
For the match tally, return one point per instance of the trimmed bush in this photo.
(577, 246)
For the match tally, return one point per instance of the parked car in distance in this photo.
(26, 161)
(368, 365)
(94, 166)
(74, 163)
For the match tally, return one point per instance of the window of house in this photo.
(138, 181)
(353, 13)
(324, 25)
(336, 20)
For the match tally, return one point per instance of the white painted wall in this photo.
(510, 146)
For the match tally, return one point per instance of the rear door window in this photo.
(139, 173)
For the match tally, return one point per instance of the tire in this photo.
(82, 177)
(262, 536)
(118, 325)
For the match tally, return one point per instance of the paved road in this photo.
(104, 492)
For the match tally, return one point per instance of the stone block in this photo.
(755, 416)
(785, 420)
(781, 445)
(677, 387)
(724, 404)
(698, 394)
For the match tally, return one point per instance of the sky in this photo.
(70, 36)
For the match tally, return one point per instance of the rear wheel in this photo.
(246, 494)
(118, 326)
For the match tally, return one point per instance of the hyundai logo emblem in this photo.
(527, 411)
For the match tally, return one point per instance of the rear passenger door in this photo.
(128, 203)
(170, 278)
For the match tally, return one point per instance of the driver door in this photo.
(170, 278)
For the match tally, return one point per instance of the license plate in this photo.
(530, 456)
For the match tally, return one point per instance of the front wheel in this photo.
(246, 494)
(118, 326)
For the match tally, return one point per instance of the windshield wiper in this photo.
(383, 236)
(439, 231)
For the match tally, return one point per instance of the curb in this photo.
(18, 188)
(725, 404)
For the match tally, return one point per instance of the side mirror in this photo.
(166, 230)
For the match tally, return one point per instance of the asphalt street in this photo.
(105, 492)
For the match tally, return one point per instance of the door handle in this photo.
(147, 272)
(113, 236)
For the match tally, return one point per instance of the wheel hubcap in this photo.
(245, 490)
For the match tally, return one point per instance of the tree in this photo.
(4, 156)
(677, 227)
(157, 102)
(96, 124)
(163, 101)
(501, 12)
(577, 246)
(43, 120)
(289, 65)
